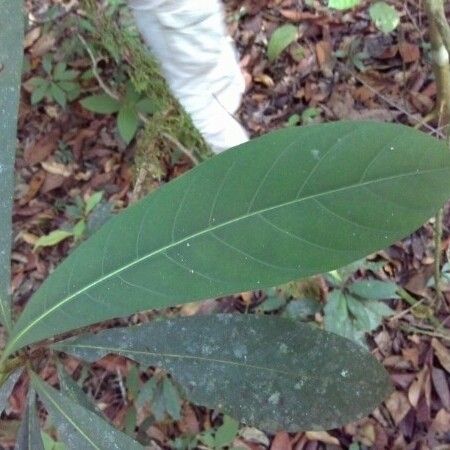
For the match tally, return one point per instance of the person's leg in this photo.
(189, 39)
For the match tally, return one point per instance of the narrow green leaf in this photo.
(68, 86)
(47, 64)
(71, 390)
(93, 201)
(293, 203)
(7, 387)
(266, 371)
(40, 92)
(385, 17)
(171, 399)
(343, 4)
(58, 94)
(147, 106)
(78, 427)
(281, 38)
(101, 104)
(59, 70)
(127, 123)
(53, 238)
(11, 59)
(29, 437)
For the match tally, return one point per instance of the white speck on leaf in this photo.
(274, 399)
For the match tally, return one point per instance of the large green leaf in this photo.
(29, 436)
(11, 54)
(78, 427)
(266, 371)
(290, 204)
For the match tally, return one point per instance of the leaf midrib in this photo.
(126, 352)
(68, 418)
(11, 346)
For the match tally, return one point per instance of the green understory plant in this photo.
(59, 84)
(293, 203)
(131, 109)
(80, 213)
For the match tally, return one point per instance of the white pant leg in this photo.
(189, 39)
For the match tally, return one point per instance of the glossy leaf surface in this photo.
(266, 371)
(11, 57)
(29, 436)
(290, 204)
(78, 427)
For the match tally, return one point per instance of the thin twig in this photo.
(97, 76)
(413, 329)
(438, 257)
(389, 101)
(182, 148)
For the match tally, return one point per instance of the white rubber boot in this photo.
(189, 39)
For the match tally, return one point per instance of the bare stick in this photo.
(182, 148)
(95, 71)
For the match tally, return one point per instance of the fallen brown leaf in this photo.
(442, 354)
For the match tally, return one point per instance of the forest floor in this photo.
(339, 67)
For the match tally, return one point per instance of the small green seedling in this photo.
(80, 212)
(58, 85)
(130, 110)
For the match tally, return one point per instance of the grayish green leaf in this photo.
(11, 59)
(374, 289)
(78, 427)
(71, 390)
(147, 106)
(270, 372)
(29, 436)
(58, 94)
(7, 387)
(171, 399)
(293, 203)
(40, 92)
(352, 318)
(226, 433)
(281, 38)
(101, 104)
(127, 123)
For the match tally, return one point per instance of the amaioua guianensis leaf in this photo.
(29, 435)
(78, 427)
(11, 57)
(290, 204)
(266, 371)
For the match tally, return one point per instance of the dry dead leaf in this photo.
(34, 185)
(441, 423)
(409, 52)
(32, 36)
(442, 354)
(254, 435)
(264, 79)
(322, 436)
(398, 406)
(281, 441)
(57, 168)
(417, 386)
(43, 45)
(42, 149)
